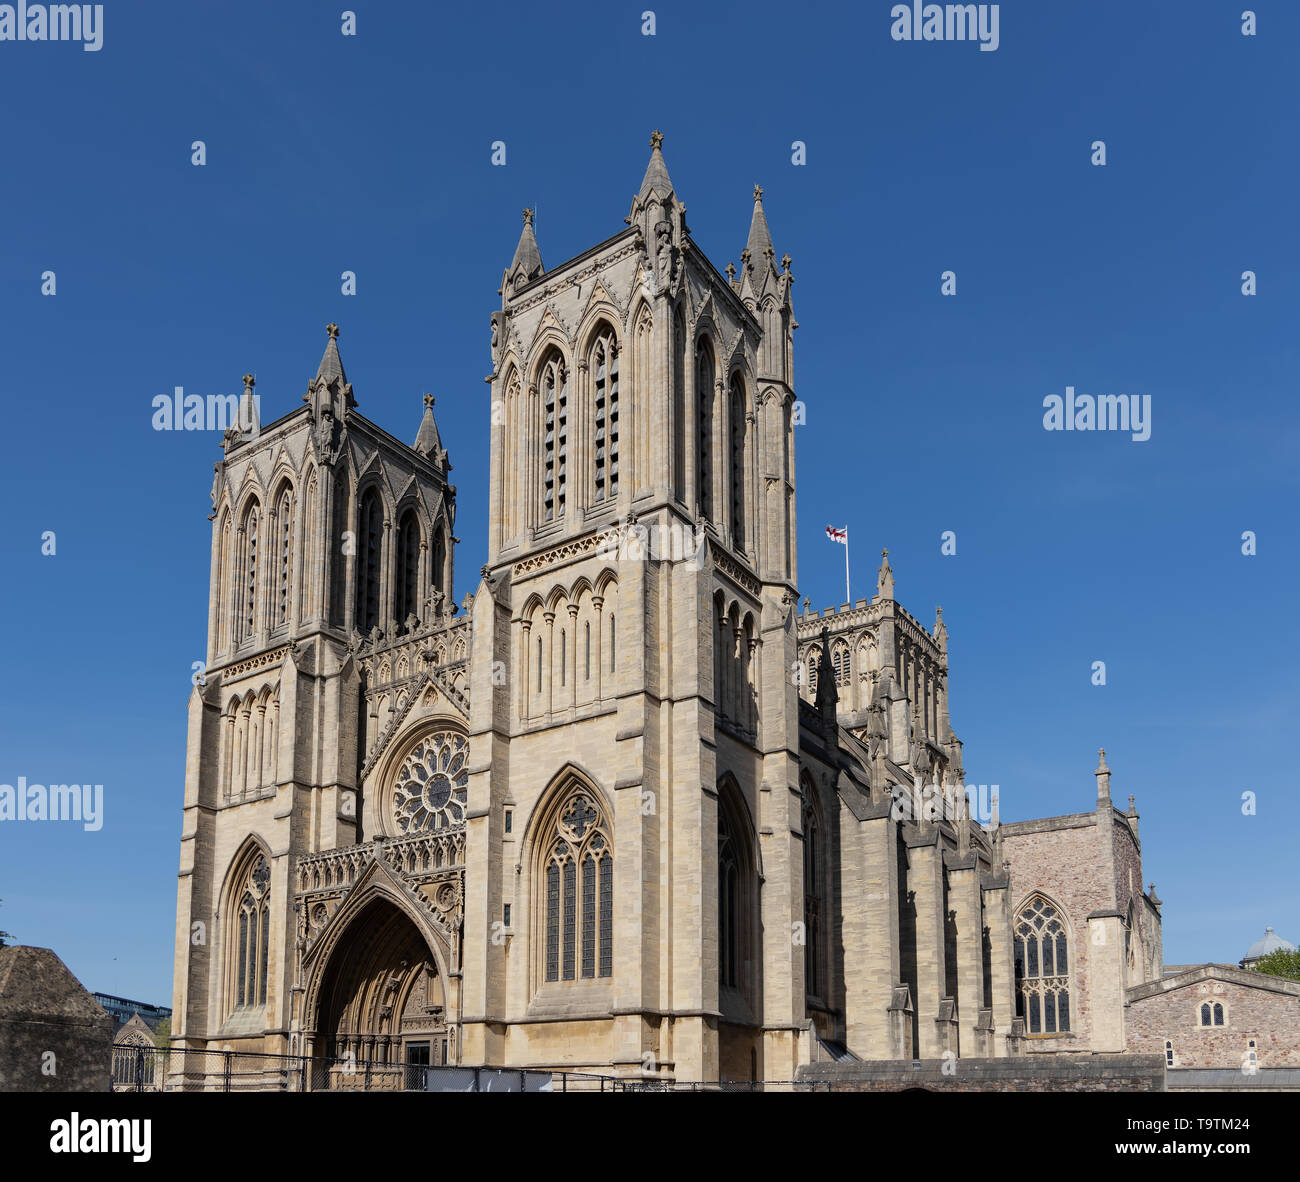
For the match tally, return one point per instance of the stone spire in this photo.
(427, 441)
(331, 364)
(528, 255)
(1103, 777)
(885, 578)
(656, 178)
(758, 249)
(247, 426)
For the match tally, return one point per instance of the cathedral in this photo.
(625, 809)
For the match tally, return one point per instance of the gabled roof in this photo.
(36, 986)
(1195, 974)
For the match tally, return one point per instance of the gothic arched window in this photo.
(577, 892)
(1042, 968)
(679, 405)
(311, 549)
(704, 395)
(369, 554)
(555, 434)
(737, 877)
(248, 931)
(406, 581)
(604, 369)
(437, 575)
(219, 583)
(840, 662)
(284, 528)
(250, 542)
(738, 428)
(433, 784)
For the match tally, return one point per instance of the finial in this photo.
(249, 382)
(1101, 766)
(807, 604)
(731, 271)
(333, 330)
(885, 578)
(758, 193)
(528, 216)
(1131, 807)
(656, 138)
(428, 402)
(786, 260)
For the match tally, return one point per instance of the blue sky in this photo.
(372, 154)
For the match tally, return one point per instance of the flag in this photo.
(838, 535)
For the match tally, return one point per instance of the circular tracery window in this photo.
(432, 784)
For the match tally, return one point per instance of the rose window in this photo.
(432, 785)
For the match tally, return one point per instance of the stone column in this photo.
(997, 918)
(548, 665)
(598, 602)
(573, 657)
(869, 876)
(925, 877)
(1106, 980)
(964, 901)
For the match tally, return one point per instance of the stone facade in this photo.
(1088, 866)
(624, 809)
(1252, 1022)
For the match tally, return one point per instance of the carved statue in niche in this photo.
(663, 256)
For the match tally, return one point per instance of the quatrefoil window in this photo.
(433, 784)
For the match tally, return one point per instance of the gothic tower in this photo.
(634, 719)
(330, 539)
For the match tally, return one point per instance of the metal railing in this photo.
(150, 1069)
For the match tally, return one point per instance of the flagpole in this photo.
(847, 597)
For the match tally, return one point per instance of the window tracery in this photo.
(1042, 968)
(433, 784)
(578, 893)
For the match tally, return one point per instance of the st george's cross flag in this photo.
(838, 535)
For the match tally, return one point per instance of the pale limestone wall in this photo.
(904, 902)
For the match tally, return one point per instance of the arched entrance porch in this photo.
(379, 1004)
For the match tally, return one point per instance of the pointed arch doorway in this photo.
(381, 1004)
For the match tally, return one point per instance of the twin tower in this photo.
(587, 821)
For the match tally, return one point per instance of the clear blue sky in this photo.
(372, 154)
